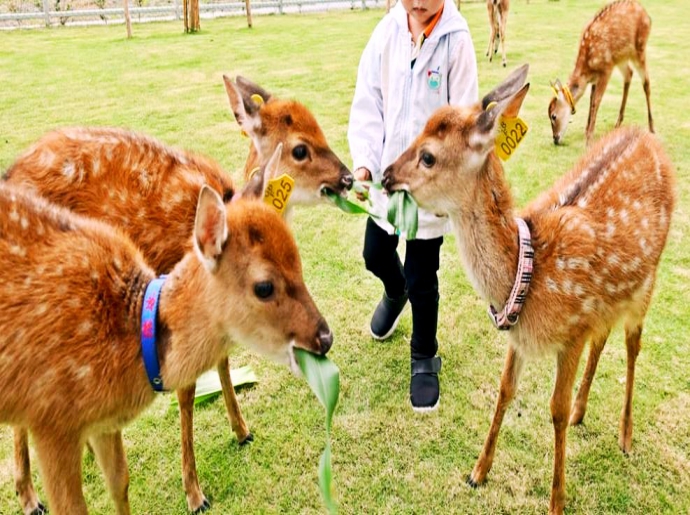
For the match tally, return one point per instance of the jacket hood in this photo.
(448, 23)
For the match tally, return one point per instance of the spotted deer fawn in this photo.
(616, 37)
(149, 190)
(596, 239)
(498, 18)
(72, 308)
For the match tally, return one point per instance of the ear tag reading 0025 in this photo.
(511, 132)
(278, 192)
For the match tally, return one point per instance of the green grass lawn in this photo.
(386, 459)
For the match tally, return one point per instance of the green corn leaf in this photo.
(346, 205)
(403, 213)
(208, 384)
(323, 377)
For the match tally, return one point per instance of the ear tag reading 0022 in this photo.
(278, 192)
(511, 132)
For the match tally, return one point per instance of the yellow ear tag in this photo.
(511, 132)
(278, 192)
(258, 99)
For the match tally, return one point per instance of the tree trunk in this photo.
(128, 20)
(249, 13)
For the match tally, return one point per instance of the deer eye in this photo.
(300, 152)
(263, 289)
(428, 160)
(553, 117)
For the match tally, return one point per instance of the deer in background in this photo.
(596, 240)
(72, 304)
(616, 37)
(498, 18)
(149, 190)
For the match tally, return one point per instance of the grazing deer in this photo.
(581, 257)
(78, 323)
(615, 37)
(150, 191)
(307, 157)
(498, 17)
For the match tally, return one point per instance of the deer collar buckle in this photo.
(510, 313)
(149, 350)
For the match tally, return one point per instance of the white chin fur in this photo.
(292, 360)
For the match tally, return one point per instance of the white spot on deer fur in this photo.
(24, 223)
(41, 309)
(578, 290)
(560, 263)
(551, 285)
(567, 286)
(610, 229)
(588, 305)
(81, 372)
(28, 280)
(84, 327)
(578, 264)
(96, 166)
(17, 250)
(610, 212)
(68, 169)
(613, 260)
(574, 320)
(637, 205)
(46, 159)
(58, 270)
(645, 223)
(611, 288)
(582, 202)
(624, 215)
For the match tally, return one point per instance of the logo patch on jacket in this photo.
(433, 79)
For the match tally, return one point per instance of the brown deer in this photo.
(307, 157)
(616, 36)
(73, 304)
(498, 18)
(596, 236)
(125, 178)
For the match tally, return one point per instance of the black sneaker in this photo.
(424, 387)
(386, 316)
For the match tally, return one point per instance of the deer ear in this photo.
(245, 109)
(250, 89)
(210, 227)
(509, 107)
(272, 168)
(510, 85)
(256, 185)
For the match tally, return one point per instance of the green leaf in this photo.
(346, 205)
(208, 384)
(403, 213)
(323, 377)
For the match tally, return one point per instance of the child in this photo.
(420, 57)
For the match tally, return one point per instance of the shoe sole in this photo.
(390, 331)
(427, 409)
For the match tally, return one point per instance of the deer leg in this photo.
(492, 36)
(196, 501)
(239, 426)
(22, 474)
(560, 412)
(598, 89)
(509, 380)
(642, 71)
(110, 455)
(627, 77)
(633, 345)
(580, 405)
(59, 459)
(503, 37)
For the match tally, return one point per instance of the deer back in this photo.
(127, 179)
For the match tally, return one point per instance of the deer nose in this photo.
(387, 180)
(556, 140)
(346, 178)
(324, 337)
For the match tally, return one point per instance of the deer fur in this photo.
(498, 19)
(149, 190)
(71, 367)
(615, 38)
(597, 235)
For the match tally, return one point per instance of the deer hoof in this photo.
(471, 482)
(205, 506)
(40, 510)
(248, 439)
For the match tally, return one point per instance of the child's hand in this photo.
(362, 174)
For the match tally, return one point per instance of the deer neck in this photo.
(577, 83)
(191, 342)
(487, 234)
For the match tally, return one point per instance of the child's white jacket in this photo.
(393, 101)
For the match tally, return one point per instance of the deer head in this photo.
(443, 165)
(306, 157)
(561, 107)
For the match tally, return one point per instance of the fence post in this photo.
(177, 9)
(46, 11)
(364, 5)
(280, 6)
